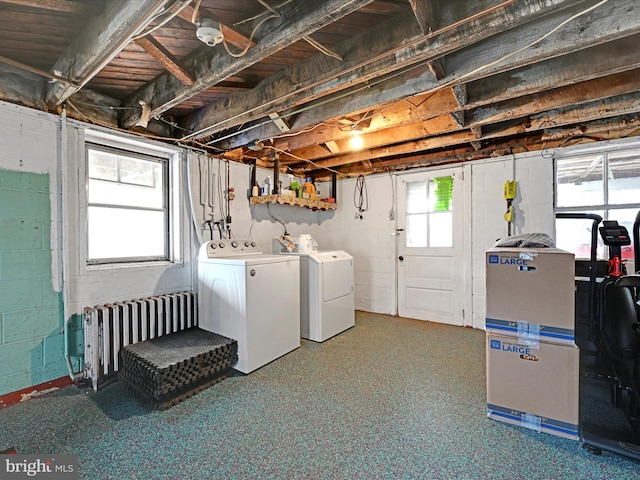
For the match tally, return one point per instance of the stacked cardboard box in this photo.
(532, 359)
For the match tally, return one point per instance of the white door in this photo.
(430, 246)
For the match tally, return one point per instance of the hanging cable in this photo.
(277, 220)
(246, 49)
(165, 21)
(321, 48)
(264, 4)
(194, 15)
(360, 197)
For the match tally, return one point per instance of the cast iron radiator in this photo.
(109, 328)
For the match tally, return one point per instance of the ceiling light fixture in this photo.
(356, 142)
(209, 32)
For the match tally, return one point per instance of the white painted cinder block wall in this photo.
(32, 143)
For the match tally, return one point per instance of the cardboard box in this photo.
(530, 293)
(536, 388)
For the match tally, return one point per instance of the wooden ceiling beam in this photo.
(614, 128)
(213, 65)
(589, 91)
(614, 106)
(62, 6)
(103, 37)
(366, 57)
(426, 12)
(608, 23)
(164, 58)
(600, 60)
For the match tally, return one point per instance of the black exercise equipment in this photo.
(608, 334)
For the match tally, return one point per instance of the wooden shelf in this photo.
(294, 201)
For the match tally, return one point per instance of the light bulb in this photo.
(356, 142)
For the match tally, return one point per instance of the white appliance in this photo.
(327, 305)
(251, 297)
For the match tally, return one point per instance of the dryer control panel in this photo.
(228, 248)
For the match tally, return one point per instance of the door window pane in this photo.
(441, 229)
(429, 217)
(417, 230)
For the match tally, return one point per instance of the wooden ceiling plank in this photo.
(418, 108)
(102, 39)
(213, 65)
(365, 57)
(619, 20)
(601, 126)
(600, 60)
(617, 106)
(231, 34)
(313, 71)
(596, 89)
(62, 6)
(164, 58)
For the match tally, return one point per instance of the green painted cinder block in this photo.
(18, 356)
(30, 324)
(18, 295)
(20, 265)
(75, 332)
(21, 234)
(54, 349)
(35, 376)
(25, 181)
(24, 205)
(49, 296)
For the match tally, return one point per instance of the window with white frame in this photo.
(606, 183)
(128, 214)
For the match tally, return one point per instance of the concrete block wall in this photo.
(533, 208)
(31, 320)
(38, 189)
(369, 241)
(34, 198)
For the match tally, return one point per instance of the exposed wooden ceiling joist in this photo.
(101, 40)
(365, 58)
(618, 20)
(211, 66)
(431, 81)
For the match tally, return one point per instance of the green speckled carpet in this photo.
(389, 399)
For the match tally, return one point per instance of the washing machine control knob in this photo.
(253, 244)
(221, 244)
(212, 246)
(246, 244)
(234, 244)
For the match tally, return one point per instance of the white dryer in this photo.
(327, 305)
(251, 297)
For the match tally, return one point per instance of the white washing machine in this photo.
(327, 305)
(251, 297)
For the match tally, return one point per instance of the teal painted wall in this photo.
(31, 313)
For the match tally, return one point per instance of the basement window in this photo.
(128, 214)
(606, 183)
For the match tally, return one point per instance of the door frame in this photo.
(466, 248)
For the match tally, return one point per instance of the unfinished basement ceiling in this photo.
(423, 82)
